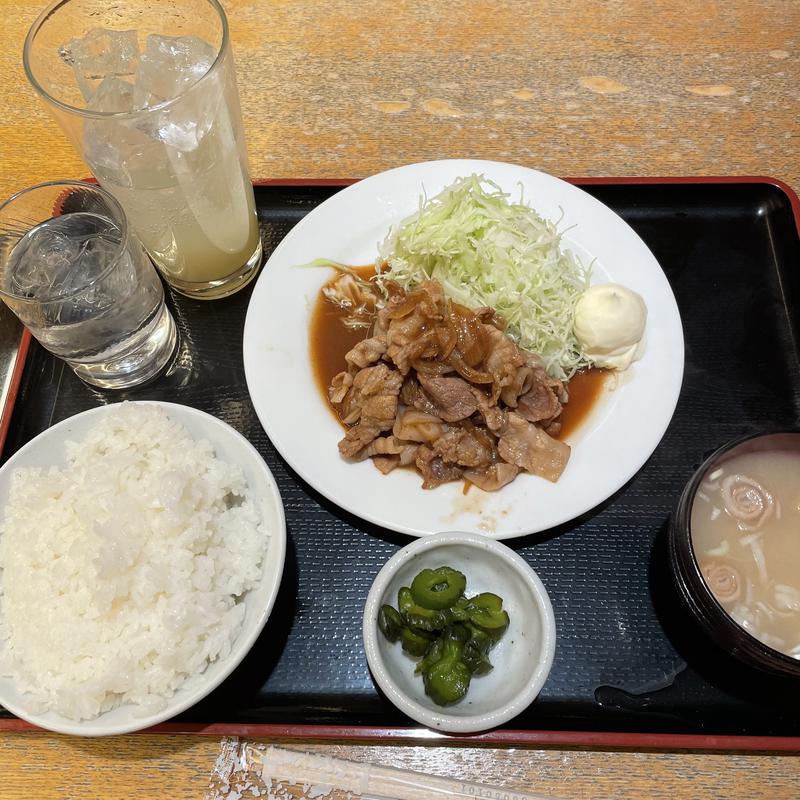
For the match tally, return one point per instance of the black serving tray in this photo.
(627, 659)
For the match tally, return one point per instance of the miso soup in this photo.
(745, 528)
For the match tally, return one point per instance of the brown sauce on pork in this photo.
(584, 388)
(330, 339)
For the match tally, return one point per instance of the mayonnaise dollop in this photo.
(609, 324)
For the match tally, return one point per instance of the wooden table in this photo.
(345, 89)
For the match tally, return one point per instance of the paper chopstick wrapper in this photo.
(376, 781)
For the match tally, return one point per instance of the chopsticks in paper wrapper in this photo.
(264, 772)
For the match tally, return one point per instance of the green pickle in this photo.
(418, 616)
(487, 613)
(425, 619)
(438, 589)
(476, 660)
(459, 612)
(449, 633)
(415, 643)
(458, 632)
(479, 639)
(432, 655)
(390, 622)
(404, 600)
(447, 681)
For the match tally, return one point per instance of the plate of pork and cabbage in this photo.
(464, 345)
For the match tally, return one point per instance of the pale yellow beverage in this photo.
(194, 235)
(147, 93)
(193, 209)
(180, 173)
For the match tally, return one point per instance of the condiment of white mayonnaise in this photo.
(609, 324)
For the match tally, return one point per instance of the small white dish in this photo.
(522, 658)
(48, 448)
(608, 449)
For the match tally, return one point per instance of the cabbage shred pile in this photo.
(488, 251)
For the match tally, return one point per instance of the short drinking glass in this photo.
(146, 92)
(83, 286)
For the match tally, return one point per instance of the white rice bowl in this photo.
(133, 582)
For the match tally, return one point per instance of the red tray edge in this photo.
(596, 739)
(603, 740)
(13, 386)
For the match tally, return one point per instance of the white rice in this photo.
(122, 575)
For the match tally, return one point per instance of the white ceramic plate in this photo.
(48, 448)
(608, 449)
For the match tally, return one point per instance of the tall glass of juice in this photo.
(146, 91)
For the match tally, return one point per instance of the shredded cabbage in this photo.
(488, 251)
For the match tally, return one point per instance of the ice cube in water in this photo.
(112, 96)
(113, 146)
(101, 53)
(61, 255)
(168, 66)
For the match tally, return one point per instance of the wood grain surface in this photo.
(346, 88)
(161, 766)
